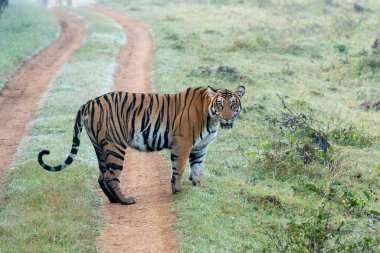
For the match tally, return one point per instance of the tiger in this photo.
(185, 123)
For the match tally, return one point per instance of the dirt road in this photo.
(148, 225)
(19, 100)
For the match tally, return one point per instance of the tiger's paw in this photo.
(129, 201)
(175, 189)
(197, 183)
(195, 180)
(176, 186)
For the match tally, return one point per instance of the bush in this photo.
(350, 136)
(223, 72)
(299, 142)
(320, 230)
(370, 62)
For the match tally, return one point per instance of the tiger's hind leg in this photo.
(114, 166)
(102, 169)
(101, 180)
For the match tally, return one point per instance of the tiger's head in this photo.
(225, 105)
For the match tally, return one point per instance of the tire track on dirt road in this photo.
(148, 225)
(19, 100)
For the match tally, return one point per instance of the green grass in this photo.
(19, 25)
(61, 212)
(315, 54)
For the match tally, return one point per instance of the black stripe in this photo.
(132, 104)
(113, 179)
(114, 166)
(123, 104)
(133, 124)
(175, 109)
(184, 106)
(156, 127)
(173, 157)
(158, 146)
(166, 134)
(69, 160)
(195, 162)
(114, 154)
(93, 114)
(141, 103)
(76, 141)
(208, 124)
(194, 156)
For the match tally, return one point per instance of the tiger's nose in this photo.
(226, 121)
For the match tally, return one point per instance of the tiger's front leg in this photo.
(179, 158)
(196, 160)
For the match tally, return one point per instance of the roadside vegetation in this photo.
(42, 211)
(300, 171)
(25, 29)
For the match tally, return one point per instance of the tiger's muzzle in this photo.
(226, 124)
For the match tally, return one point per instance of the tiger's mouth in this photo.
(226, 125)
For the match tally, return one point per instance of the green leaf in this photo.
(293, 139)
(266, 145)
(368, 195)
(375, 212)
(312, 188)
(341, 48)
(252, 155)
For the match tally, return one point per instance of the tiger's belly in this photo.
(149, 141)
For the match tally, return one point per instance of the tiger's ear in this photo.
(211, 92)
(240, 91)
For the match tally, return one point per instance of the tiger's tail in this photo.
(74, 148)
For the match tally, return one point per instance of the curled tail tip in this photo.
(41, 162)
(43, 152)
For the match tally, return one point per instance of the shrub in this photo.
(251, 45)
(320, 230)
(370, 62)
(301, 137)
(350, 136)
(223, 72)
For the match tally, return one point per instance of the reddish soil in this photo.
(148, 225)
(19, 100)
